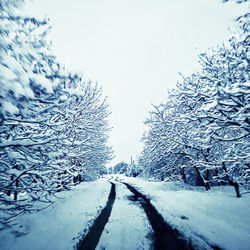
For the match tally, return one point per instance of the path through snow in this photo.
(205, 219)
(128, 227)
(91, 240)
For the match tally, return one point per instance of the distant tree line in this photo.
(201, 133)
(120, 168)
(53, 124)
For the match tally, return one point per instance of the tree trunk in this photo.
(207, 175)
(15, 193)
(183, 175)
(162, 177)
(216, 174)
(231, 182)
(80, 178)
(236, 187)
(204, 183)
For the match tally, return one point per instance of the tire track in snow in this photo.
(166, 238)
(91, 239)
(128, 227)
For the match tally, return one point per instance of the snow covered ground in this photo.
(216, 217)
(128, 227)
(61, 225)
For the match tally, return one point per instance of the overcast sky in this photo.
(135, 49)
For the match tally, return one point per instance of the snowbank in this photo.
(62, 224)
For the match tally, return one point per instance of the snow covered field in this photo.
(62, 224)
(216, 217)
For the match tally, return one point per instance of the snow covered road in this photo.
(122, 215)
(91, 239)
(210, 220)
(128, 227)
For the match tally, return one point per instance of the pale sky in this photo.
(135, 49)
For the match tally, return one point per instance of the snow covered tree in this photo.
(226, 109)
(133, 169)
(204, 124)
(237, 1)
(45, 123)
(29, 100)
(87, 129)
(169, 145)
(120, 168)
